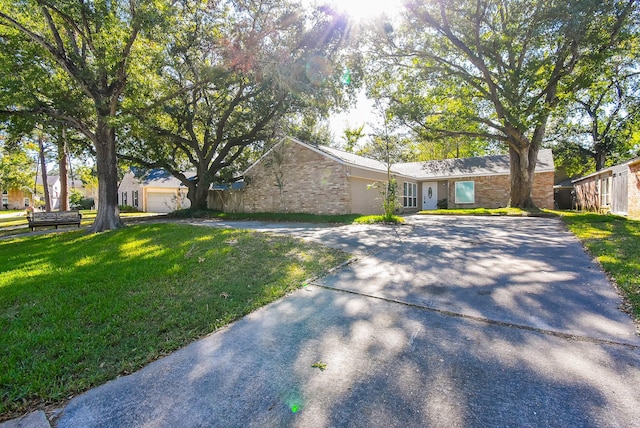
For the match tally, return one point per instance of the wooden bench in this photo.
(57, 218)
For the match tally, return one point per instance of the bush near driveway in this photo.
(77, 310)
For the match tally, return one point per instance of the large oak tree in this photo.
(75, 60)
(230, 77)
(502, 65)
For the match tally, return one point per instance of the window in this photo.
(124, 198)
(134, 198)
(27, 202)
(465, 192)
(410, 198)
(604, 194)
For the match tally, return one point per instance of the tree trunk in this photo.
(198, 194)
(45, 181)
(108, 215)
(64, 172)
(523, 163)
(600, 157)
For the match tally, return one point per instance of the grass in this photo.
(375, 219)
(18, 224)
(288, 217)
(615, 242)
(77, 310)
(487, 212)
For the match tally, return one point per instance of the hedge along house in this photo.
(155, 191)
(299, 177)
(615, 189)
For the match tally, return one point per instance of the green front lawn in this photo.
(284, 217)
(615, 242)
(77, 310)
(487, 212)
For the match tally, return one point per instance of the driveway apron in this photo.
(446, 321)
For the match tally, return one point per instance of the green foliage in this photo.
(390, 203)
(351, 136)
(388, 149)
(293, 217)
(231, 78)
(572, 159)
(79, 310)
(17, 170)
(76, 63)
(377, 219)
(128, 209)
(75, 198)
(516, 212)
(493, 70)
(598, 124)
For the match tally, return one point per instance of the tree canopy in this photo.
(231, 77)
(71, 62)
(495, 69)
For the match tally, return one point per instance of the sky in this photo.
(364, 112)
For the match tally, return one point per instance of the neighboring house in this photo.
(55, 188)
(298, 177)
(154, 191)
(15, 199)
(615, 189)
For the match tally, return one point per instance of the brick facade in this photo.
(492, 191)
(293, 178)
(634, 190)
(300, 178)
(587, 195)
(615, 189)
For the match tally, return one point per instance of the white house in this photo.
(153, 191)
(55, 188)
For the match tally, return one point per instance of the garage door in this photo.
(158, 202)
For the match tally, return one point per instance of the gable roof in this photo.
(430, 170)
(161, 178)
(610, 169)
(466, 167)
(353, 159)
(337, 155)
(53, 179)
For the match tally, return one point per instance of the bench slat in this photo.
(56, 218)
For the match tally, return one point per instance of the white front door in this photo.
(429, 195)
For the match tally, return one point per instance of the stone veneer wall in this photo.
(634, 191)
(493, 191)
(293, 178)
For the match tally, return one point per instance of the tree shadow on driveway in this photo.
(386, 365)
(525, 271)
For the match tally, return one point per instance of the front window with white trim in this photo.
(410, 197)
(465, 192)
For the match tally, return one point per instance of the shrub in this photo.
(84, 204)
(127, 209)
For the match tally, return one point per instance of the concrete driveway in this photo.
(446, 321)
